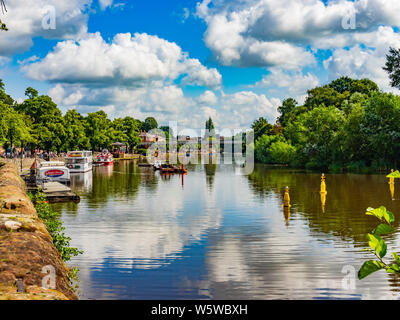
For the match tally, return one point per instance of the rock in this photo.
(12, 225)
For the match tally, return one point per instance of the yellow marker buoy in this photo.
(286, 198)
(391, 179)
(323, 184)
(323, 192)
(391, 188)
(286, 213)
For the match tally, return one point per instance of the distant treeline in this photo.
(37, 123)
(347, 124)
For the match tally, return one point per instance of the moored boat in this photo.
(52, 171)
(104, 158)
(79, 161)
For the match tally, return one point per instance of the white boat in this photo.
(104, 158)
(79, 161)
(52, 171)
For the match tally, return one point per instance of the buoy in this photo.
(286, 198)
(323, 184)
(391, 179)
(391, 188)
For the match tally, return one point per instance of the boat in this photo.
(52, 171)
(79, 161)
(104, 158)
(169, 168)
(157, 165)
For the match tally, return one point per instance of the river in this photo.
(214, 234)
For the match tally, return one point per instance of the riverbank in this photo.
(26, 247)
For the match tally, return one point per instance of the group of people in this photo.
(21, 154)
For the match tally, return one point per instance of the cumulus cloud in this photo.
(366, 58)
(275, 32)
(127, 60)
(296, 82)
(24, 20)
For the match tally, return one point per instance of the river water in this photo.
(214, 234)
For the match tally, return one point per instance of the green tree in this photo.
(326, 96)
(98, 130)
(316, 134)
(261, 127)
(76, 138)
(392, 67)
(13, 128)
(285, 110)
(149, 124)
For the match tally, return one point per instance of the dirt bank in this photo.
(26, 248)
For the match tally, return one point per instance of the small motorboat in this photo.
(104, 158)
(168, 168)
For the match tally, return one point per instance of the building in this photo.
(148, 139)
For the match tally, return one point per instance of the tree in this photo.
(326, 96)
(261, 127)
(364, 86)
(149, 124)
(76, 138)
(4, 97)
(285, 110)
(317, 135)
(209, 124)
(98, 130)
(392, 67)
(13, 128)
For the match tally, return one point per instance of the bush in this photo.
(54, 227)
(281, 152)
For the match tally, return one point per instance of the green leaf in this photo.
(389, 217)
(381, 213)
(382, 229)
(378, 244)
(376, 212)
(395, 174)
(393, 268)
(369, 267)
(396, 257)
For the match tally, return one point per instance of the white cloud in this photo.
(104, 4)
(208, 98)
(128, 60)
(295, 82)
(24, 21)
(276, 33)
(366, 60)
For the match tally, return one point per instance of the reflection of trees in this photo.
(210, 170)
(348, 197)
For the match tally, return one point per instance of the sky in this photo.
(185, 61)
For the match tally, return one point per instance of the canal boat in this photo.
(79, 161)
(52, 171)
(104, 158)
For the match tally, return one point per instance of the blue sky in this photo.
(184, 61)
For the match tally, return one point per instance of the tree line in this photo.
(38, 123)
(347, 124)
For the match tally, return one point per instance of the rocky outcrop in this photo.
(27, 252)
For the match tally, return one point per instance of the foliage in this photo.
(260, 127)
(54, 227)
(347, 124)
(149, 124)
(378, 246)
(392, 67)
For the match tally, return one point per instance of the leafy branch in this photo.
(378, 246)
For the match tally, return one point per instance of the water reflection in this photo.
(225, 236)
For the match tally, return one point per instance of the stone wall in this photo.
(26, 248)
